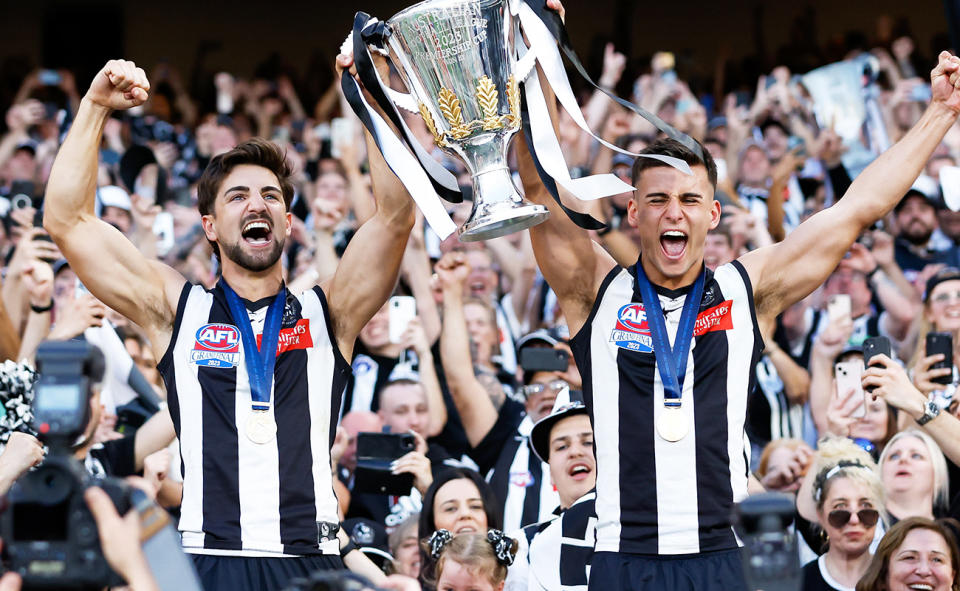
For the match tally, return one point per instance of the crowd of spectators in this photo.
(868, 480)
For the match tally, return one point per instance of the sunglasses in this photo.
(840, 517)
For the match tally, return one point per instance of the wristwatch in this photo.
(930, 412)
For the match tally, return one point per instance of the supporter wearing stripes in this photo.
(556, 554)
(670, 469)
(258, 506)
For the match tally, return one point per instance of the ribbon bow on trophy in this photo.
(471, 76)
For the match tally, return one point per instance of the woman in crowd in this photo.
(940, 304)
(914, 475)
(459, 501)
(917, 553)
(471, 561)
(849, 501)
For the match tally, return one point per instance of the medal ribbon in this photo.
(260, 362)
(671, 363)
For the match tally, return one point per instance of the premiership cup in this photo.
(456, 58)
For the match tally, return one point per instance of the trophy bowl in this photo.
(456, 58)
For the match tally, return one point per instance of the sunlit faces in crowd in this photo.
(845, 280)
(404, 547)
(458, 507)
(916, 554)
(916, 218)
(913, 469)
(375, 334)
(754, 166)
(468, 563)
(540, 393)
(849, 511)
(572, 464)
(942, 309)
(403, 407)
(482, 327)
(482, 281)
(718, 248)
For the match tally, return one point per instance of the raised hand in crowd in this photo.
(81, 313)
(924, 373)
(22, 452)
(841, 410)
(786, 466)
(156, 466)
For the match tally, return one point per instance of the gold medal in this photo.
(261, 428)
(672, 424)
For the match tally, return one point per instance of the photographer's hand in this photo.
(416, 463)
(22, 452)
(120, 540)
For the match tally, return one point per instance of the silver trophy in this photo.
(456, 59)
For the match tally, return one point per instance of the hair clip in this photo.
(502, 546)
(829, 473)
(437, 541)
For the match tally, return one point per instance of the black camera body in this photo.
(50, 536)
(375, 453)
(770, 559)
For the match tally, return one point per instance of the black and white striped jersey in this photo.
(656, 496)
(241, 498)
(556, 554)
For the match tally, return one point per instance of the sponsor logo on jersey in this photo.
(217, 345)
(295, 337)
(718, 317)
(631, 331)
(522, 479)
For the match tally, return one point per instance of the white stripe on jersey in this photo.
(606, 425)
(190, 400)
(320, 364)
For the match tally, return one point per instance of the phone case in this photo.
(401, 310)
(941, 342)
(848, 375)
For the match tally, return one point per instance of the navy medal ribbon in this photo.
(260, 361)
(671, 363)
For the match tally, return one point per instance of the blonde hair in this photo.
(477, 554)
(941, 484)
(839, 457)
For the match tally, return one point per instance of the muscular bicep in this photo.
(114, 271)
(788, 271)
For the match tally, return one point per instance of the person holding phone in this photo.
(255, 418)
(852, 412)
(934, 372)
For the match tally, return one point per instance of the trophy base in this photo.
(509, 219)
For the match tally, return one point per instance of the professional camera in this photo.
(49, 534)
(770, 559)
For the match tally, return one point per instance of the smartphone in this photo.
(341, 132)
(921, 93)
(43, 237)
(163, 230)
(848, 374)
(839, 307)
(797, 143)
(49, 77)
(543, 359)
(941, 342)
(875, 346)
(375, 453)
(402, 309)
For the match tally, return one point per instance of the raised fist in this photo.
(945, 81)
(119, 85)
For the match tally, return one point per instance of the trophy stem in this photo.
(498, 208)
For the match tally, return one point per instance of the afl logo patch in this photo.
(216, 345)
(631, 331)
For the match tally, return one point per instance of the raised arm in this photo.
(369, 267)
(786, 272)
(105, 261)
(572, 264)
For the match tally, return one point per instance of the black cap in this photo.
(933, 202)
(371, 538)
(568, 404)
(948, 274)
(547, 336)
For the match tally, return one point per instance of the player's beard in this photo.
(260, 261)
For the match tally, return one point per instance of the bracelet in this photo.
(42, 309)
(350, 547)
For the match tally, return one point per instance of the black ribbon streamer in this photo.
(366, 70)
(584, 220)
(559, 31)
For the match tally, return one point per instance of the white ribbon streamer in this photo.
(410, 172)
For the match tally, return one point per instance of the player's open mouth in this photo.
(673, 243)
(579, 471)
(257, 233)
